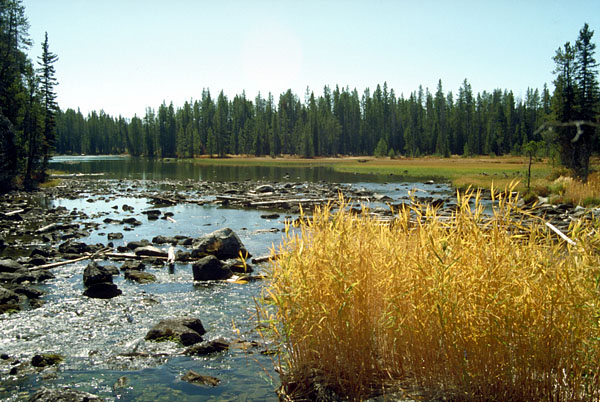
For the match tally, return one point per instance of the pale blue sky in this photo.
(124, 55)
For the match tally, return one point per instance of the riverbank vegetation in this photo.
(471, 308)
(27, 102)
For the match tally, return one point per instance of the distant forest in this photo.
(338, 122)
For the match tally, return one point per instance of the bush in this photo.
(473, 308)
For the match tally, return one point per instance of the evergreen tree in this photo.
(48, 99)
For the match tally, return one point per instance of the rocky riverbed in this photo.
(92, 287)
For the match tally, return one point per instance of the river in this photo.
(102, 341)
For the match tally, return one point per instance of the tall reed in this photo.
(475, 308)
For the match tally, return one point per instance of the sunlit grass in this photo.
(575, 192)
(470, 308)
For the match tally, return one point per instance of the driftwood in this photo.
(87, 256)
(294, 201)
(47, 228)
(11, 213)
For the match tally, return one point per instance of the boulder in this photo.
(94, 274)
(222, 243)
(210, 268)
(8, 296)
(132, 221)
(150, 251)
(187, 331)
(8, 265)
(27, 291)
(265, 188)
(103, 291)
(164, 240)
(73, 248)
(133, 265)
(140, 277)
(132, 245)
(206, 348)
(115, 236)
(238, 267)
(63, 395)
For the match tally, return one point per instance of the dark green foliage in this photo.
(27, 102)
(576, 100)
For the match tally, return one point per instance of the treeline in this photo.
(27, 102)
(338, 122)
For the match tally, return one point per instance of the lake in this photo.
(103, 340)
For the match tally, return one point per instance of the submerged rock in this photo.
(210, 268)
(8, 296)
(186, 331)
(222, 243)
(63, 395)
(133, 265)
(206, 348)
(140, 277)
(8, 265)
(194, 378)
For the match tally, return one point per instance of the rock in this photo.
(9, 308)
(150, 251)
(113, 270)
(45, 360)
(133, 265)
(183, 256)
(132, 221)
(186, 331)
(265, 188)
(73, 248)
(38, 260)
(164, 240)
(194, 378)
(94, 274)
(210, 268)
(40, 252)
(41, 275)
(132, 245)
(238, 267)
(27, 291)
(7, 296)
(8, 265)
(63, 395)
(103, 291)
(269, 216)
(206, 348)
(140, 277)
(222, 243)
(115, 236)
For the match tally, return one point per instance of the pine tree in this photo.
(48, 99)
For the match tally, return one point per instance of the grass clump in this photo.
(474, 308)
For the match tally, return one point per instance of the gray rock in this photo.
(237, 267)
(74, 248)
(187, 331)
(63, 395)
(94, 274)
(206, 348)
(164, 240)
(222, 243)
(132, 245)
(115, 236)
(150, 251)
(8, 296)
(210, 268)
(8, 265)
(265, 188)
(133, 265)
(103, 291)
(140, 277)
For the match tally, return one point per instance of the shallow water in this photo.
(98, 337)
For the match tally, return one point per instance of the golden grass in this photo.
(471, 308)
(575, 192)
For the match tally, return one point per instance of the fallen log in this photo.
(87, 256)
(15, 212)
(291, 201)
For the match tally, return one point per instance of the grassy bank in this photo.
(471, 309)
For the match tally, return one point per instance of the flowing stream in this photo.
(102, 341)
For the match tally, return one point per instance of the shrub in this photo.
(473, 308)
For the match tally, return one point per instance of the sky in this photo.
(123, 56)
